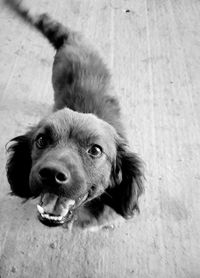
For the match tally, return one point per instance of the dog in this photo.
(77, 159)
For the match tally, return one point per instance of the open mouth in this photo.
(56, 210)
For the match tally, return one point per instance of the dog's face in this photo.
(70, 158)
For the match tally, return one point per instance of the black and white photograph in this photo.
(100, 138)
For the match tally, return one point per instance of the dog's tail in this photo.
(55, 32)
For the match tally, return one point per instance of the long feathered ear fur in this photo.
(19, 165)
(127, 182)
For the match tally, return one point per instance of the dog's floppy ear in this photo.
(19, 165)
(127, 182)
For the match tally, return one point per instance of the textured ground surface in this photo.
(153, 49)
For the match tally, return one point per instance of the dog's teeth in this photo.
(40, 209)
(65, 212)
(51, 217)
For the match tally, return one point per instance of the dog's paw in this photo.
(86, 222)
(91, 224)
(69, 225)
(84, 219)
(108, 227)
(107, 221)
(97, 228)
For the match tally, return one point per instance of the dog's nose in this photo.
(54, 175)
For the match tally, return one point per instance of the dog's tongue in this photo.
(55, 205)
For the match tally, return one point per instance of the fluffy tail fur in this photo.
(55, 32)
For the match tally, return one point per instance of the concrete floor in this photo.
(153, 50)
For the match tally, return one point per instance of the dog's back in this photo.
(80, 79)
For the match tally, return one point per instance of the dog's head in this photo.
(70, 158)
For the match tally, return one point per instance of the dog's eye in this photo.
(41, 141)
(95, 151)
